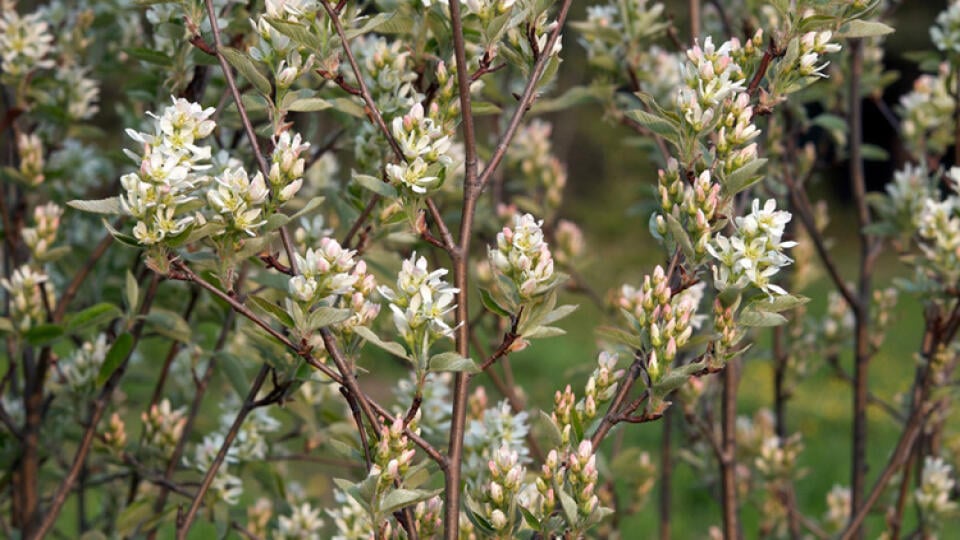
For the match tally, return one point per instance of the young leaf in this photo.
(760, 318)
(110, 206)
(245, 66)
(43, 334)
(169, 324)
(92, 316)
(272, 310)
(309, 105)
(399, 498)
(858, 28)
(117, 354)
(325, 316)
(376, 185)
(391, 347)
(489, 302)
(131, 293)
(451, 361)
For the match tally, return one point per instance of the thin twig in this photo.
(99, 407)
(184, 522)
(244, 118)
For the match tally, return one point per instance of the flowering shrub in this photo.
(293, 168)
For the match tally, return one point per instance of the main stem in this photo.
(862, 310)
(728, 461)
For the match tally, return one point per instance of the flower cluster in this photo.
(693, 206)
(171, 171)
(838, 507)
(778, 457)
(303, 523)
(420, 305)
(350, 520)
(393, 455)
(569, 242)
(754, 253)
(26, 288)
(499, 494)
(936, 488)
(163, 426)
(813, 45)
(78, 94)
(115, 436)
(237, 199)
(665, 321)
(426, 148)
(602, 34)
(429, 517)
(522, 255)
(25, 43)
(250, 445)
(576, 468)
(79, 371)
(490, 429)
(945, 34)
(286, 169)
(30, 148)
(46, 224)
(326, 272)
(531, 155)
(926, 113)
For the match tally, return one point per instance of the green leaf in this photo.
(325, 316)
(656, 124)
(123, 238)
(376, 185)
(278, 220)
(169, 324)
(777, 304)
(132, 293)
(859, 28)
(245, 66)
(232, 367)
(399, 498)
(149, 56)
(451, 361)
(680, 235)
(744, 177)
(760, 318)
(830, 122)
(43, 334)
(620, 336)
(110, 206)
(6, 326)
(309, 105)
(489, 302)
(372, 24)
(116, 356)
(568, 505)
(132, 516)
(552, 432)
(297, 32)
(391, 347)
(541, 332)
(272, 310)
(559, 313)
(93, 316)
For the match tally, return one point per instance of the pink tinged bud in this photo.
(671, 351)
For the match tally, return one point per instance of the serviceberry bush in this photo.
(265, 263)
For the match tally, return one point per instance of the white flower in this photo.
(25, 42)
(413, 176)
(936, 487)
